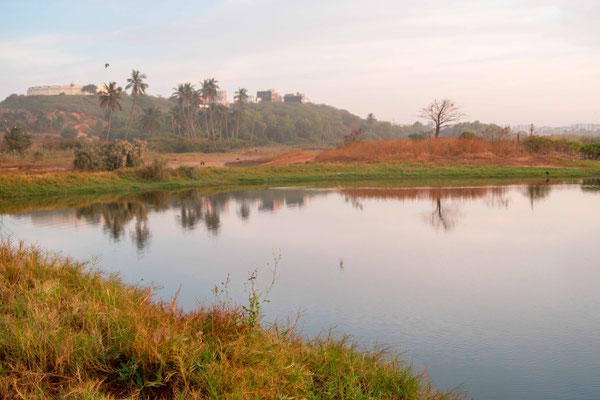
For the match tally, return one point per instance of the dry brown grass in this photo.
(436, 150)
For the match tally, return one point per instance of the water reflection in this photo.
(445, 201)
(197, 209)
(537, 192)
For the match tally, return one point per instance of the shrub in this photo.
(468, 135)
(538, 144)
(157, 170)
(187, 172)
(545, 145)
(69, 132)
(110, 156)
(16, 140)
(417, 136)
(591, 150)
(88, 159)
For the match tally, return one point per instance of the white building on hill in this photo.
(71, 89)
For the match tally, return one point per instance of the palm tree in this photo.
(150, 120)
(110, 97)
(209, 92)
(241, 99)
(241, 96)
(176, 119)
(138, 87)
(184, 94)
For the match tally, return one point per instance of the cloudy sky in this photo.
(510, 62)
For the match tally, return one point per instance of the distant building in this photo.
(295, 98)
(585, 127)
(268, 95)
(222, 97)
(69, 90)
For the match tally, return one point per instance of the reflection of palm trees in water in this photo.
(537, 192)
(244, 211)
(115, 217)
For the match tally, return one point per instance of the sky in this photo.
(508, 62)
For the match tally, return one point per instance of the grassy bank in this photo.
(67, 182)
(68, 332)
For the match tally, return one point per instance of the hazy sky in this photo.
(503, 61)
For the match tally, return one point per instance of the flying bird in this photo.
(106, 65)
(547, 173)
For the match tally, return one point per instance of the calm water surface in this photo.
(493, 288)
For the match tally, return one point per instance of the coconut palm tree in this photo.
(110, 97)
(151, 120)
(240, 98)
(138, 87)
(209, 91)
(184, 96)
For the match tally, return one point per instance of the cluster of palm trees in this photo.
(196, 111)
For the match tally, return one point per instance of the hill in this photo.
(262, 123)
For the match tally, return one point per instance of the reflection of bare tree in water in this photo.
(443, 217)
(537, 192)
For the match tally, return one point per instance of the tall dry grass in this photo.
(442, 149)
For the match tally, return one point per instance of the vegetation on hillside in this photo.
(249, 123)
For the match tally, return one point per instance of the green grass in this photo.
(13, 185)
(69, 332)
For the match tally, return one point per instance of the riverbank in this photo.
(20, 184)
(69, 332)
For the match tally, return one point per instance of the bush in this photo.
(538, 144)
(187, 172)
(157, 170)
(417, 136)
(110, 156)
(591, 150)
(16, 140)
(69, 132)
(468, 135)
(545, 145)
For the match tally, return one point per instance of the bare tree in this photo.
(441, 113)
